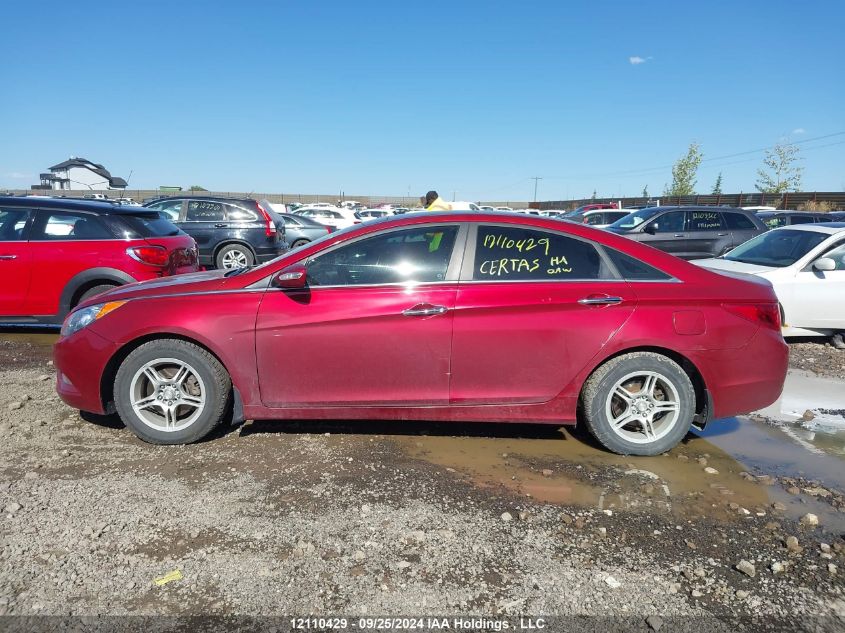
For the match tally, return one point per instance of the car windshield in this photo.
(778, 248)
(634, 219)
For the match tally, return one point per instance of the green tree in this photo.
(684, 173)
(717, 188)
(197, 188)
(783, 174)
(645, 192)
(594, 195)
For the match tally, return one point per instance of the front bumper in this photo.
(80, 360)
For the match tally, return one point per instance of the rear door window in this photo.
(69, 225)
(13, 222)
(738, 222)
(633, 269)
(205, 211)
(142, 225)
(507, 253)
(802, 219)
(705, 221)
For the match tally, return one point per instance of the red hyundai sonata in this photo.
(435, 316)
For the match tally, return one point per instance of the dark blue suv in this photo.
(229, 232)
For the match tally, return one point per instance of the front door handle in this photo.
(721, 234)
(8, 256)
(425, 309)
(600, 301)
(220, 226)
(679, 234)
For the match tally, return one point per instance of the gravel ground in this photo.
(299, 522)
(821, 358)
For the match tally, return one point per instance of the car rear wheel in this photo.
(171, 392)
(234, 256)
(93, 292)
(299, 243)
(639, 404)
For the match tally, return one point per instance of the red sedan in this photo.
(435, 316)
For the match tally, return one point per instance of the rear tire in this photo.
(93, 292)
(640, 403)
(299, 243)
(234, 256)
(171, 392)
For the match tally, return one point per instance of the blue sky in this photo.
(391, 97)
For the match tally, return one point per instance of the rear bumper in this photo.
(745, 379)
(80, 361)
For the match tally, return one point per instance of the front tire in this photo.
(640, 403)
(171, 392)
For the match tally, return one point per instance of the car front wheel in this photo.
(640, 403)
(171, 392)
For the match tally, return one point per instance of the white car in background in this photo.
(374, 214)
(503, 209)
(484, 207)
(806, 265)
(337, 217)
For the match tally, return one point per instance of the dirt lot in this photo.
(366, 519)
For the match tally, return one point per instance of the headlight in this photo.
(79, 319)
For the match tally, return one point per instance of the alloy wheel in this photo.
(643, 407)
(235, 259)
(167, 394)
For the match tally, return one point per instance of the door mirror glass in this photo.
(291, 278)
(824, 264)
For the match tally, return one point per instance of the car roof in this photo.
(75, 204)
(831, 228)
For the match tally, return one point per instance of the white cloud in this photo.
(636, 59)
(799, 130)
(17, 175)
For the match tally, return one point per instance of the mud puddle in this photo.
(24, 347)
(568, 469)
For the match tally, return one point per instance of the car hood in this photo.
(177, 284)
(731, 266)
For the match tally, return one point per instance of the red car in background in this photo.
(58, 252)
(459, 316)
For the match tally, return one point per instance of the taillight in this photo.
(270, 226)
(152, 255)
(765, 314)
(328, 229)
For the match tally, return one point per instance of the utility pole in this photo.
(453, 195)
(535, 179)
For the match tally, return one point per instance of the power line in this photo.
(644, 171)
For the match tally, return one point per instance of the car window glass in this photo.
(837, 254)
(205, 211)
(170, 208)
(672, 222)
(778, 248)
(774, 221)
(633, 269)
(738, 222)
(234, 213)
(13, 224)
(292, 222)
(66, 225)
(521, 253)
(596, 218)
(822, 218)
(415, 255)
(705, 221)
(802, 219)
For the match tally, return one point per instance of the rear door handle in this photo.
(600, 301)
(8, 256)
(220, 226)
(721, 234)
(425, 309)
(679, 235)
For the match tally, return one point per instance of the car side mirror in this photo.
(651, 229)
(824, 264)
(293, 277)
